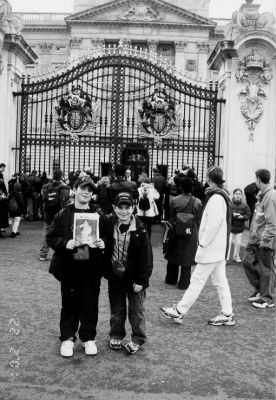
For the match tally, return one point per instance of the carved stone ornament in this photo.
(253, 73)
(249, 18)
(17, 24)
(140, 12)
(46, 48)
(76, 114)
(190, 65)
(158, 116)
(75, 42)
(5, 10)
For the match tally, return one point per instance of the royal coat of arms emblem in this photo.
(158, 116)
(76, 114)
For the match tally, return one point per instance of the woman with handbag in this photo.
(185, 214)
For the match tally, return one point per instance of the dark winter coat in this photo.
(63, 196)
(20, 203)
(62, 263)
(122, 185)
(237, 225)
(4, 218)
(182, 249)
(139, 256)
(160, 184)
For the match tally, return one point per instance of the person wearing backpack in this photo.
(16, 208)
(55, 195)
(182, 247)
(213, 242)
(147, 208)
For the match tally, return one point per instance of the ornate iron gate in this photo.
(88, 114)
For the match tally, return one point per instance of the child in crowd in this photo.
(79, 272)
(240, 214)
(16, 208)
(128, 274)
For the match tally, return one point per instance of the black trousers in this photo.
(173, 272)
(79, 312)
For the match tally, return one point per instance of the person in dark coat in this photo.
(128, 271)
(160, 185)
(55, 196)
(182, 249)
(16, 213)
(33, 195)
(3, 187)
(80, 278)
(251, 192)
(121, 184)
(103, 199)
(240, 213)
(4, 219)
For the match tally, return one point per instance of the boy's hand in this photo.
(137, 288)
(99, 243)
(70, 245)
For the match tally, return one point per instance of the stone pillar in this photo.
(203, 50)
(180, 58)
(15, 54)
(246, 67)
(152, 46)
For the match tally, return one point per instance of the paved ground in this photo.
(192, 361)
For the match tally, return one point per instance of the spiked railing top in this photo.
(124, 50)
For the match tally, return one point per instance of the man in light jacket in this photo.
(211, 254)
(259, 256)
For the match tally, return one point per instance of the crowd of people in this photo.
(200, 224)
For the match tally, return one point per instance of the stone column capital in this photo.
(180, 46)
(203, 47)
(152, 45)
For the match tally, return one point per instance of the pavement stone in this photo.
(192, 361)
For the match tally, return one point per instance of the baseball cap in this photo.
(123, 198)
(84, 181)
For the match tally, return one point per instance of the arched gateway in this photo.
(95, 110)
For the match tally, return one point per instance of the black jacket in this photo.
(62, 263)
(122, 185)
(139, 257)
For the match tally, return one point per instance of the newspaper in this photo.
(86, 229)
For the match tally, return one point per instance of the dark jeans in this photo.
(80, 296)
(118, 295)
(259, 268)
(173, 272)
(159, 204)
(147, 221)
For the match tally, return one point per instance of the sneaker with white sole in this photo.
(237, 259)
(131, 347)
(172, 313)
(222, 319)
(67, 348)
(90, 348)
(263, 304)
(255, 296)
(115, 344)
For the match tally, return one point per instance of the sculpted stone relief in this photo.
(253, 73)
(9, 23)
(140, 12)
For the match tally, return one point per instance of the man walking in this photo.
(54, 196)
(259, 256)
(211, 254)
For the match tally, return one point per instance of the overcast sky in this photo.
(218, 8)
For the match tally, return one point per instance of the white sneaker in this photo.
(172, 313)
(90, 348)
(67, 348)
(255, 296)
(222, 319)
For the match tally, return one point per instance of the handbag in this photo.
(118, 268)
(81, 253)
(184, 222)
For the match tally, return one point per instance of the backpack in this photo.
(52, 201)
(13, 206)
(184, 222)
(144, 203)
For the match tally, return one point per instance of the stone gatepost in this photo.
(246, 65)
(15, 55)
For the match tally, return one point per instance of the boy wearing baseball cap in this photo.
(129, 270)
(80, 278)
